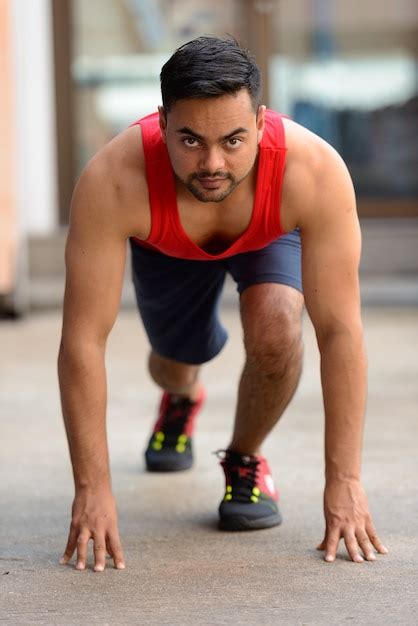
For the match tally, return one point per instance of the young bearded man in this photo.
(215, 183)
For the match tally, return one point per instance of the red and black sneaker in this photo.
(250, 500)
(170, 446)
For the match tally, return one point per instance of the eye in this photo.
(234, 142)
(190, 142)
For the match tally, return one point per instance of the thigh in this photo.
(178, 302)
(280, 262)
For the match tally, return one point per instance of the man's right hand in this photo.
(94, 517)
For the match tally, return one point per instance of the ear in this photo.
(163, 122)
(261, 121)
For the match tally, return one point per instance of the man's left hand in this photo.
(347, 517)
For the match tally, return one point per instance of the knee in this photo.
(274, 345)
(171, 375)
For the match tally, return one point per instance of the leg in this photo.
(269, 281)
(271, 315)
(271, 319)
(170, 446)
(178, 302)
(174, 377)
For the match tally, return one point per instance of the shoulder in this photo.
(315, 175)
(113, 183)
(121, 162)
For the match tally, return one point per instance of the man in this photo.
(201, 189)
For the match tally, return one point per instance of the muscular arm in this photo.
(95, 258)
(331, 252)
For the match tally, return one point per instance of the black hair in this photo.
(209, 67)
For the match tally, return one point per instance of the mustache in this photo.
(203, 175)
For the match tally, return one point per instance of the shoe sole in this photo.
(243, 523)
(164, 467)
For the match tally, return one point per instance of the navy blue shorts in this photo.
(178, 299)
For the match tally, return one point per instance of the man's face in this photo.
(213, 143)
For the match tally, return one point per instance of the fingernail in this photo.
(371, 557)
(80, 565)
(120, 566)
(384, 550)
(359, 559)
(329, 558)
(61, 561)
(99, 568)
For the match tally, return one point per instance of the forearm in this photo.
(343, 373)
(82, 378)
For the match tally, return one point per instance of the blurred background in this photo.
(74, 73)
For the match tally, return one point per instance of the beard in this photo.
(211, 195)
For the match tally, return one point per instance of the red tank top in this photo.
(167, 234)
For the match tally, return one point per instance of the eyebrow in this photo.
(188, 131)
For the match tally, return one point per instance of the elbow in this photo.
(340, 331)
(79, 353)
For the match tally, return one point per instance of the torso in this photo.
(211, 226)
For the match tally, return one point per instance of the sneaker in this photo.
(250, 500)
(170, 446)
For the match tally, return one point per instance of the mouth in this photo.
(211, 183)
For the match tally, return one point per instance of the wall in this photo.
(35, 114)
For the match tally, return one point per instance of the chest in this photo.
(214, 228)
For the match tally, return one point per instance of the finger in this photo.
(321, 546)
(371, 531)
(109, 548)
(116, 551)
(99, 549)
(365, 545)
(352, 547)
(71, 545)
(82, 543)
(331, 544)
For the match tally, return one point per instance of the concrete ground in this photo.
(180, 569)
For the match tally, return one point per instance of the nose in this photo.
(212, 160)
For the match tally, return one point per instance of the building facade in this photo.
(76, 73)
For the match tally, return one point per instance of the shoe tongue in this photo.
(179, 400)
(241, 459)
